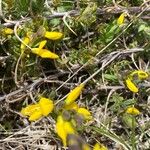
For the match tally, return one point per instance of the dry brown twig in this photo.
(100, 11)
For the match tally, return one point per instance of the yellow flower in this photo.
(44, 53)
(35, 115)
(63, 129)
(141, 74)
(131, 86)
(74, 94)
(53, 35)
(8, 31)
(46, 106)
(132, 111)
(60, 129)
(121, 18)
(36, 111)
(33, 111)
(28, 111)
(85, 113)
(98, 146)
(26, 40)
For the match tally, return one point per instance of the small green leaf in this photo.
(142, 28)
(129, 120)
(110, 77)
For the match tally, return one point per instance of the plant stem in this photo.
(133, 134)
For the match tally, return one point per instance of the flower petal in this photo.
(121, 18)
(42, 44)
(68, 127)
(73, 106)
(44, 53)
(63, 129)
(74, 94)
(35, 115)
(27, 111)
(141, 74)
(35, 50)
(131, 86)
(132, 111)
(98, 146)
(85, 113)
(26, 40)
(53, 35)
(46, 106)
(60, 130)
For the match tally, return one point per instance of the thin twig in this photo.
(65, 22)
(105, 64)
(100, 11)
(1, 11)
(107, 102)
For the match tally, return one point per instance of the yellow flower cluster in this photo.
(70, 104)
(35, 111)
(140, 75)
(64, 126)
(41, 51)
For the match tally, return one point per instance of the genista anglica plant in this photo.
(74, 74)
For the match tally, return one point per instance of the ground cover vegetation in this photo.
(75, 74)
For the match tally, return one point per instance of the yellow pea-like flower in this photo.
(140, 73)
(131, 86)
(28, 111)
(85, 113)
(98, 146)
(60, 130)
(8, 31)
(63, 129)
(46, 106)
(44, 53)
(121, 19)
(74, 94)
(132, 111)
(53, 35)
(35, 115)
(36, 111)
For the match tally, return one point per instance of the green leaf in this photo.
(142, 28)
(129, 120)
(110, 77)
